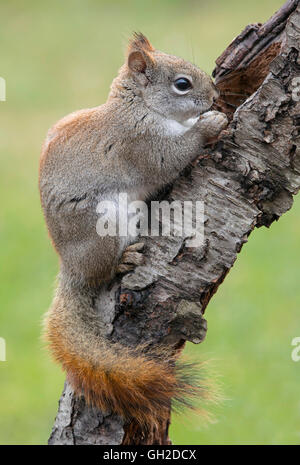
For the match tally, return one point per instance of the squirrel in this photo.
(153, 124)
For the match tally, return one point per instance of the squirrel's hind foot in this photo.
(131, 258)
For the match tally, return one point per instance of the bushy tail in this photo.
(114, 378)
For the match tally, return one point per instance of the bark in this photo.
(246, 179)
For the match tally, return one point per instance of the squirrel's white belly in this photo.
(176, 128)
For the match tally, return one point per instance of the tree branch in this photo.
(246, 180)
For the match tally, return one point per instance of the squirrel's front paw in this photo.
(131, 258)
(212, 122)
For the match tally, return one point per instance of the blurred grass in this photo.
(57, 57)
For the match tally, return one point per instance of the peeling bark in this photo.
(246, 179)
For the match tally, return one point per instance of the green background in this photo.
(57, 57)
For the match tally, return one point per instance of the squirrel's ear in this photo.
(139, 55)
(137, 62)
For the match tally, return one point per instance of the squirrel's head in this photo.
(169, 85)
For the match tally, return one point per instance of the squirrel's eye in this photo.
(182, 85)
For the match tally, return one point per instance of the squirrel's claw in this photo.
(131, 258)
(124, 268)
(212, 123)
(136, 247)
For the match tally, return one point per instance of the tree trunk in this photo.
(246, 179)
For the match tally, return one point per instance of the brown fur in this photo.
(140, 42)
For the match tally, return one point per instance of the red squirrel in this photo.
(158, 105)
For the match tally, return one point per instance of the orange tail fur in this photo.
(112, 377)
